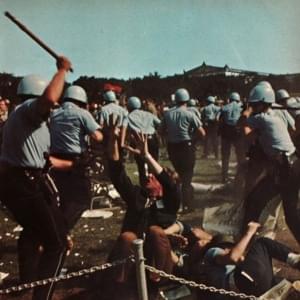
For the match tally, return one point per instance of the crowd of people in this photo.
(45, 187)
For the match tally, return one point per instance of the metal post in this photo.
(140, 269)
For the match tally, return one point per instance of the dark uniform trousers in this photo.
(182, 155)
(211, 139)
(153, 145)
(33, 203)
(229, 137)
(281, 178)
(74, 188)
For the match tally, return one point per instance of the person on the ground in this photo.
(26, 188)
(245, 266)
(149, 211)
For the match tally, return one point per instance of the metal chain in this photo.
(79, 273)
(200, 286)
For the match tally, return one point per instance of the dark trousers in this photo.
(42, 243)
(211, 139)
(238, 145)
(153, 145)
(74, 188)
(281, 180)
(182, 156)
(258, 265)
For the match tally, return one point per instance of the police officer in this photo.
(141, 121)
(70, 124)
(282, 173)
(292, 105)
(192, 106)
(230, 133)
(209, 116)
(111, 107)
(179, 124)
(25, 190)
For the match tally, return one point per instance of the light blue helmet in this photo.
(182, 95)
(282, 95)
(192, 102)
(110, 96)
(32, 85)
(262, 93)
(266, 83)
(134, 103)
(211, 99)
(234, 96)
(77, 93)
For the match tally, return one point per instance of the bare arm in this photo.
(97, 136)
(54, 89)
(236, 254)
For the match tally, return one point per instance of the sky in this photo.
(132, 38)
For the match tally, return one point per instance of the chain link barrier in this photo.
(200, 286)
(79, 273)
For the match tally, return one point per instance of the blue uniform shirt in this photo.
(25, 137)
(273, 134)
(195, 111)
(179, 123)
(210, 113)
(69, 126)
(143, 121)
(112, 108)
(285, 116)
(231, 112)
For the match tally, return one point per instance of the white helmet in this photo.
(76, 93)
(32, 85)
(110, 96)
(182, 95)
(262, 93)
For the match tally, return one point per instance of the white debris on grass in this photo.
(18, 228)
(97, 213)
(202, 187)
(3, 276)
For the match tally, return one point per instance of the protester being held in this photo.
(245, 266)
(182, 129)
(282, 172)
(140, 121)
(26, 189)
(70, 125)
(209, 117)
(149, 210)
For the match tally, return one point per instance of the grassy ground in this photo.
(94, 237)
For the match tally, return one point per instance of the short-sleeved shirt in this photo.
(293, 103)
(69, 126)
(112, 108)
(25, 137)
(231, 112)
(285, 116)
(210, 113)
(195, 111)
(143, 121)
(273, 133)
(179, 123)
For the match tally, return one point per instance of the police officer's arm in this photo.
(54, 89)
(236, 254)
